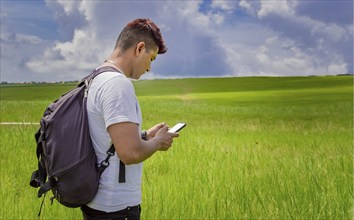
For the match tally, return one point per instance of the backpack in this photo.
(67, 163)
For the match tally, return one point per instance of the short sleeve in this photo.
(117, 101)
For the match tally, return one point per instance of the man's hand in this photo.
(164, 138)
(152, 131)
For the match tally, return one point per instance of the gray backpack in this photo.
(67, 163)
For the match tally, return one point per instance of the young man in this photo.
(114, 117)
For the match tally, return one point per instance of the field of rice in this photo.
(253, 148)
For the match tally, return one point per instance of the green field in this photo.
(253, 148)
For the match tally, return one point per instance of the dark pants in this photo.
(130, 213)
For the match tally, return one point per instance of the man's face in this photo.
(143, 63)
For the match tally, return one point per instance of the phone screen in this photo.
(177, 127)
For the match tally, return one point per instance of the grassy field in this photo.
(253, 148)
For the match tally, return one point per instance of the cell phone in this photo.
(177, 127)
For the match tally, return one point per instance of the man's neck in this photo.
(120, 61)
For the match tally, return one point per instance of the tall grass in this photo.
(253, 148)
(278, 162)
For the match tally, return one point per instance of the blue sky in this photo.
(61, 40)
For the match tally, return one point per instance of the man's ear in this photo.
(140, 47)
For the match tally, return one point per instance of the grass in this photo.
(253, 148)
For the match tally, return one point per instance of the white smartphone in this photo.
(177, 127)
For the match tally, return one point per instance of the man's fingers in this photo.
(161, 124)
(174, 134)
(165, 127)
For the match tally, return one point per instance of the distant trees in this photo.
(43, 82)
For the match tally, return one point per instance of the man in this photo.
(114, 117)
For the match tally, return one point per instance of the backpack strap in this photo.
(121, 172)
(44, 188)
(97, 72)
(39, 176)
(105, 163)
(100, 70)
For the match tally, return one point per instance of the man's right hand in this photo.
(164, 138)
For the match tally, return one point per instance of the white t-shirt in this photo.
(111, 99)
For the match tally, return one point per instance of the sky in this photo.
(64, 40)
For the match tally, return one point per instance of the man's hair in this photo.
(141, 30)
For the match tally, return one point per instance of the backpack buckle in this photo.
(35, 182)
(104, 163)
(110, 153)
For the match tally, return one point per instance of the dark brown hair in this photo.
(141, 30)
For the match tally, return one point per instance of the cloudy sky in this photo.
(55, 40)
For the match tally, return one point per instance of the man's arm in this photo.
(129, 146)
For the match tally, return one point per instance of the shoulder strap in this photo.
(121, 172)
(86, 81)
(97, 72)
(100, 70)
(105, 163)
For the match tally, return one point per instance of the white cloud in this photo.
(68, 56)
(204, 38)
(275, 55)
(289, 19)
(76, 57)
(4, 35)
(85, 8)
(246, 5)
(202, 22)
(224, 5)
(68, 6)
(337, 68)
(16, 50)
(31, 39)
(331, 32)
(282, 7)
(314, 44)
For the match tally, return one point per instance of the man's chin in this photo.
(139, 76)
(135, 77)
